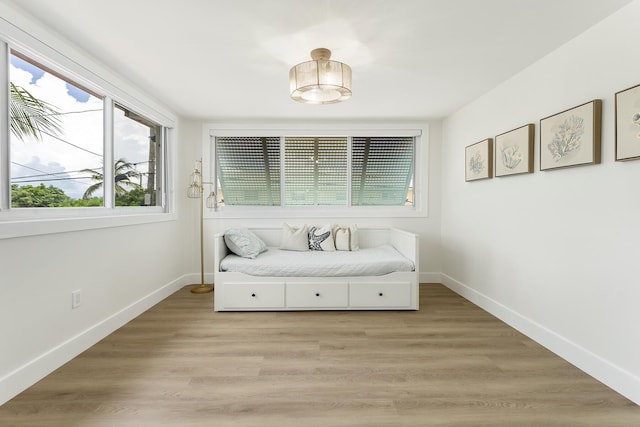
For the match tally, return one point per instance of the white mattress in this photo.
(275, 262)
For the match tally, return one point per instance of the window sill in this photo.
(314, 211)
(30, 222)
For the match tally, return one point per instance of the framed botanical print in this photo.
(478, 159)
(572, 137)
(628, 124)
(514, 151)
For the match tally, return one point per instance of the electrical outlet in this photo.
(75, 299)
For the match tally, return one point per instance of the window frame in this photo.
(160, 160)
(79, 69)
(417, 130)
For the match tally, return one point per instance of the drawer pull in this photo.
(380, 294)
(253, 295)
(317, 294)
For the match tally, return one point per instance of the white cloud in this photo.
(82, 136)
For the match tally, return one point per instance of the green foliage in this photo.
(40, 196)
(123, 172)
(30, 116)
(84, 203)
(134, 197)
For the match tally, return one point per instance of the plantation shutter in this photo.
(249, 170)
(315, 171)
(382, 170)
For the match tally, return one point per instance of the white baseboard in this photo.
(34, 370)
(604, 371)
(430, 278)
(195, 279)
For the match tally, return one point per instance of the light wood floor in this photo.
(448, 364)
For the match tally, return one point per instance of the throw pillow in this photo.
(243, 242)
(346, 238)
(295, 239)
(321, 239)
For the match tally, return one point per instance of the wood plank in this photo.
(450, 363)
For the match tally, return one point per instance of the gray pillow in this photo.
(243, 242)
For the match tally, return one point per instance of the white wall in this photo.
(121, 271)
(554, 253)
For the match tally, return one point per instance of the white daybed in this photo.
(397, 290)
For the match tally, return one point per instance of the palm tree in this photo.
(30, 116)
(123, 172)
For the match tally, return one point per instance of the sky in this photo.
(57, 161)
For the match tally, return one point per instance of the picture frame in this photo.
(478, 159)
(627, 119)
(514, 151)
(571, 137)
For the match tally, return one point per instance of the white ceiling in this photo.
(229, 59)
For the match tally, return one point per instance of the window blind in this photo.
(249, 170)
(316, 171)
(382, 171)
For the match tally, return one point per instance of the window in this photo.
(56, 138)
(382, 171)
(249, 171)
(315, 171)
(347, 171)
(137, 159)
(61, 132)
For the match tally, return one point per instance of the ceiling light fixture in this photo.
(320, 81)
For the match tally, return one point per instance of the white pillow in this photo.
(321, 239)
(295, 239)
(243, 242)
(346, 238)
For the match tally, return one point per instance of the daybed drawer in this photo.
(317, 295)
(253, 295)
(380, 294)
